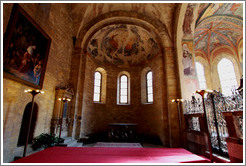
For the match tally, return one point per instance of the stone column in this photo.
(77, 81)
(173, 92)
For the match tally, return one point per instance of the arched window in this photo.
(149, 86)
(123, 93)
(97, 86)
(201, 75)
(227, 76)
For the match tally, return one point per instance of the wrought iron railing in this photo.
(216, 122)
(215, 104)
(193, 106)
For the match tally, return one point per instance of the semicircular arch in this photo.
(124, 17)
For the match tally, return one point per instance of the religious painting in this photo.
(188, 60)
(218, 32)
(26, 49)
(188, 19)
(218, 9)
(123, 44)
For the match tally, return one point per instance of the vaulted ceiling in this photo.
(83, 13)
(123, 44)
(219, 25)
(128, 39)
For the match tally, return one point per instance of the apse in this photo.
(123, 45)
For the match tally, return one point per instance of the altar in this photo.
(122, 132)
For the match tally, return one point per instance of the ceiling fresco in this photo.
(84, 13)
(219, 25)
(213, 9)
(123, 44)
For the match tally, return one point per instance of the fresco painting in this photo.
(123, 44)
(188, 59)
(188, 19)
(218, 31)
(233, 9)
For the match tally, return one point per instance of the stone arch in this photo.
(240, 54)
(230, 53)
(25, 124)
(124, 17)
(180, 39)
(200, 53)
(163, 39)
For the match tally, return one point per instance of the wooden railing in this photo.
(234, 121)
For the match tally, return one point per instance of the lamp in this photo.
(178, 101)
(33, 93)
(202, 93)
(64, 100)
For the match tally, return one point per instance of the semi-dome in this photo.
(123, 45)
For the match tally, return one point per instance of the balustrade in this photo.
(224, 118)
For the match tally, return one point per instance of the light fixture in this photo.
(178, 101)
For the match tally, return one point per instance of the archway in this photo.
(25, 124)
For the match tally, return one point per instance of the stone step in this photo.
(67, 140)
(71, 142)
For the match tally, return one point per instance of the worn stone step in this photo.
(72, 142)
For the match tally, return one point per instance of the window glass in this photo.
(149, 87)
(227, 76)
(201, 75)
(97, 87)
(123, 89)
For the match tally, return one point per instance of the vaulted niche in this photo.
(124, 51)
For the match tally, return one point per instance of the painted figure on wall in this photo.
(187, 60)
(123, 44)
(188, 19)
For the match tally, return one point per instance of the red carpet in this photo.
(112, 155)
(118, 144)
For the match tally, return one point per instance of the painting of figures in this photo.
(26, 48)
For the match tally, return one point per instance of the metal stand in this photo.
(178, 101)
(33, 93)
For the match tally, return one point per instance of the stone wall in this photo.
(55, 20)
(149, 117)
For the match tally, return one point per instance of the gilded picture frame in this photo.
(26, 49)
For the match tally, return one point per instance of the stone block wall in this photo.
(55, 20)
(149, 117)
